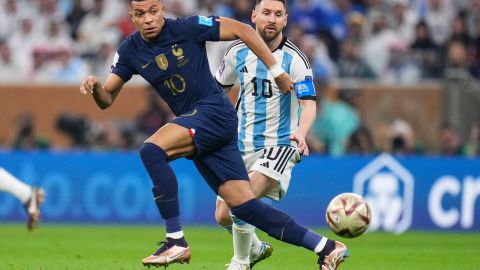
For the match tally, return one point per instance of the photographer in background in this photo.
(23, 136)
(473, 145)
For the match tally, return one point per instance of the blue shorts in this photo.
(216, 157)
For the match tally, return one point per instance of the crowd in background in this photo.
(398, 42)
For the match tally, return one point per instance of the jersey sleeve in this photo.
(120, 64)
(226, 74)
(201, 28)
(302, 75)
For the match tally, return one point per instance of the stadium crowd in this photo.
(397, 42)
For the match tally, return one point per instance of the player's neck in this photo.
(275, 43)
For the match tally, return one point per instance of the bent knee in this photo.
(222, 214)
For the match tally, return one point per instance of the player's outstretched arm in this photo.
(103, 95)
(232, 29)
(309, 112)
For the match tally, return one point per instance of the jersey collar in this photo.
(280, 46)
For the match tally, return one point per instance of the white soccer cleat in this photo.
(237, 266)
(265, 252)
(168, 254)
(32, 206)
(336, 257)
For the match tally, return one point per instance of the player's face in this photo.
(270, 17)
(148, 17)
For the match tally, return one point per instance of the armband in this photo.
(305, 89)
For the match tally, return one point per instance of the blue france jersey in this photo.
(175, 63)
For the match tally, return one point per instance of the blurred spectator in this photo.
(426, 52)
(402, 139)
(375, 9)
(10, 70)
(59, 66)
(375, 49)
(114, 135)
(460, 32)
(404, 20)
(306, 13)
(93, 28)
(473, 18)
(351, 65)
(323, 67)
(401, 68)
(457, 65)
(439, 16)
(360, 142)
(70, 68)
(175, 8)
(23, 135)
(9, 17)
(23, 41)
(80, 130)
(336, 17)
(75, 17)
(355, 24)
(450, 142)
(334, 125)
(473, 145)
(101, 65)
(242, 11)
(124, 25)
(214, 7)
(295, 33)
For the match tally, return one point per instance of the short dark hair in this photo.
(283, 1)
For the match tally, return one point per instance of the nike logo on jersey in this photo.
(244, 70)
(145, 65)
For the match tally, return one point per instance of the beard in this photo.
(267, 37)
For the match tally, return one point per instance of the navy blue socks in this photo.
(276, 223)
(165, 186)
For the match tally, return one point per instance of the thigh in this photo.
(275, 163)
(222, 165)
(210, 129)
(174, 139)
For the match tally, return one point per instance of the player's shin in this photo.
(165, 187)
(277, 224)
(242, 240)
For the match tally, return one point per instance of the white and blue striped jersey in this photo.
(267, 117)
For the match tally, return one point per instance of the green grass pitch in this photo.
(73, 247)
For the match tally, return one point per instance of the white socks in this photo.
(242, 242)
(11, 184)
(175, 235)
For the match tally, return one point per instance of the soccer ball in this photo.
(348, 215)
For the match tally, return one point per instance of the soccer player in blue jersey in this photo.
(171, 56)
(271, 132)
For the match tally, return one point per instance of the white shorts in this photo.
(275, 162)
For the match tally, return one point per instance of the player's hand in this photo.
(301, 143)
(284, 82)
(89, 85)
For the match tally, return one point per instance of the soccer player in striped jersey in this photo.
(272, 128)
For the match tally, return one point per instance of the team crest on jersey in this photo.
(178, 52)
(162, 61)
